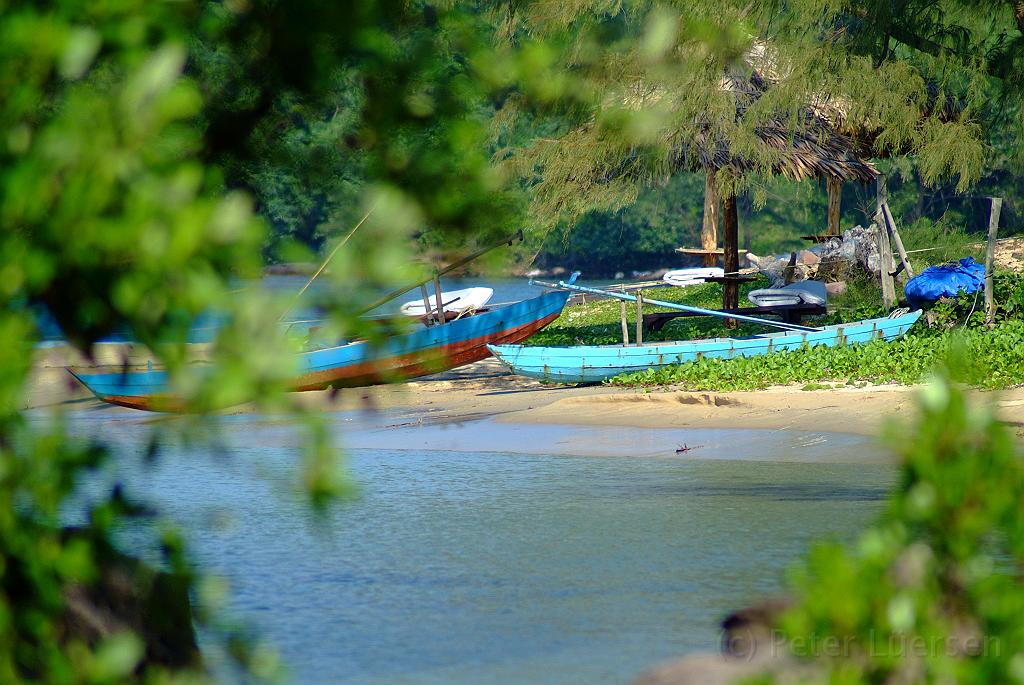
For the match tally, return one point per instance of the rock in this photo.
(750, 647)
(131, 596)
(809, 258)
(835, 288)
(857, 250)
(704, 669)
(750, 630)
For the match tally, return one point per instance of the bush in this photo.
(932, 592)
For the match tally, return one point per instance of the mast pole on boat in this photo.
(327, 261)
(437, 296)
(426, 304)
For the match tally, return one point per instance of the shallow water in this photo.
(487, 567)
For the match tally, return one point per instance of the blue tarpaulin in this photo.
(945, 280)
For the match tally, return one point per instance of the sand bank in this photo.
(486, 389)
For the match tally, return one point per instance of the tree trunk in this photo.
(709, 229)
(835, 195)
(730, 224)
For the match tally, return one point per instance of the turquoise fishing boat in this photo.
(593, 364)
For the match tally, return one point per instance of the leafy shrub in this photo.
(931, 592)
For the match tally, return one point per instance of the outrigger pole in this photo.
(681, 307)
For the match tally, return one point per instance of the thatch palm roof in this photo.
(809, 147)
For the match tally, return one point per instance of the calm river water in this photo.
(497, 567)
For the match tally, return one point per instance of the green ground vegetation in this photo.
(992, 356)
(988, 356)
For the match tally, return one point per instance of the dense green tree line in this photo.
(927, 85)
(644, 235)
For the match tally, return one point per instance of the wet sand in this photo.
(487, 390)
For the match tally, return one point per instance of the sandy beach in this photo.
(487, 390)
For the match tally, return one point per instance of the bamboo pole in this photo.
(884, 249)
(898, 240)
(426, 304)
(639, 317)
(625, 325)
(326, 262)
(990, 254)
(679, 307)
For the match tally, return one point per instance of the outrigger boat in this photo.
(596, 363)
(438, 345)
(421, 352)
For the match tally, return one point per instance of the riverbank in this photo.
(487, 390)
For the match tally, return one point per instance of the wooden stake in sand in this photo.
(625, 325)
(990, 254)
(884, 248)
(639, 317)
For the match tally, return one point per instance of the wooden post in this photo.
(440, 300)
(709, 227)
(834, 185)
(639, 317)
(625, 325)
(426, 304)
(731, 258)
(990, 253)
(885, 263)
(891, 223)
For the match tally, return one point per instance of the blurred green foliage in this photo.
(931, 592)
(129, 135)
(146, 146)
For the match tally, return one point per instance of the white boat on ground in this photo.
(684, 277)
(456, 302)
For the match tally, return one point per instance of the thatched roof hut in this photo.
(806, 145)
(807, 148)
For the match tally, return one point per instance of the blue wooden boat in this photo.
(592, 364)
(429, 349)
